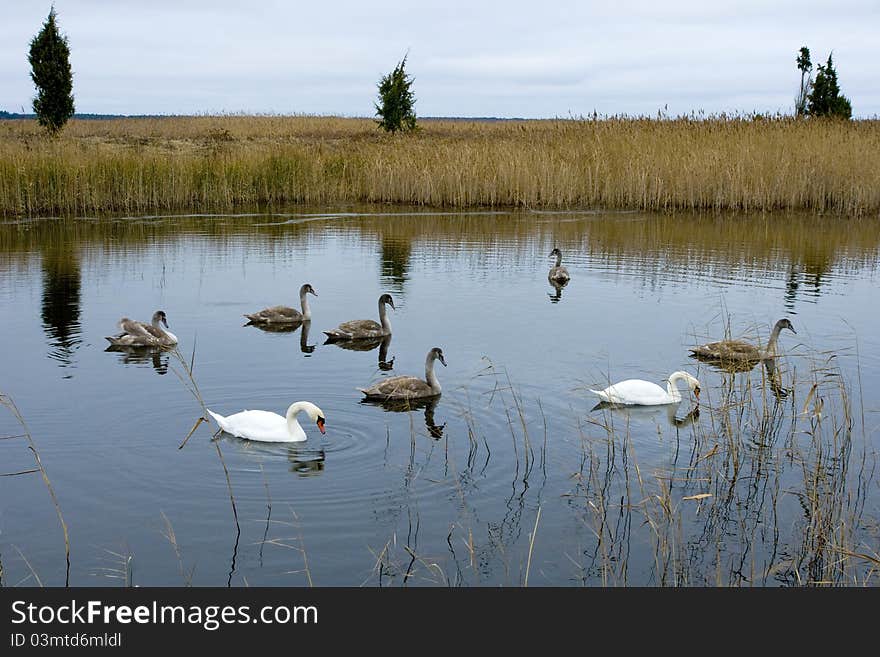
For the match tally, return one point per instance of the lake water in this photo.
(509, 478)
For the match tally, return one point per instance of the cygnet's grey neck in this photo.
(774, 336)
(304, 302)
(383, 317)
(430, 377)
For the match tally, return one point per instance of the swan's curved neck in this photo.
(157, 324)
(293, 425)
(304, 302)
(774, 336)
(558, 259)
(430, 377)
(383, 317)
(672, 386)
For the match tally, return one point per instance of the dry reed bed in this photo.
(744, 163)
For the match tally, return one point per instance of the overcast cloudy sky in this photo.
(518, 58)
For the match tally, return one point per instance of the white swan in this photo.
(270, 427)
(644, 393)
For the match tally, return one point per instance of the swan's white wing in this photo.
(635, 391)
(256, 425)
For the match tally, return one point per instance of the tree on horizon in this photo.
(49, 58)
(825, 99)
(396, 105)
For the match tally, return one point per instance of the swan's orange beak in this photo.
(697, 392)
(321, 424)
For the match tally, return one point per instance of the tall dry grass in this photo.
(721, 163)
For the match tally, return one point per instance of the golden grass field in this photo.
(218, 163)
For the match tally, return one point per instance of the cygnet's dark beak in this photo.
(442, 360)
(165, 322)
(312, 291)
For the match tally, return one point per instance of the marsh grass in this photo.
(768, 487)
(7, 401)
(709, 163)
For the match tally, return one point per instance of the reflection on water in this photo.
(449, 491)
(368, 345)
(155, 356)
(395, 254)
(407, 406)
(643, 413)
(60, 308)
(306, 462)
(306, 326)
(557, 287)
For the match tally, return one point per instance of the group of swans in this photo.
(726, 354)
(272, 427)
(638, 392)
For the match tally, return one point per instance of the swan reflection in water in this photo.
(774, 379)
(652, 412)
(304, 460)
(403, 406)
(304, 345)
(368, 344)
(155, 356)
(557, 286)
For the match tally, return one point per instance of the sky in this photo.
(518, 58)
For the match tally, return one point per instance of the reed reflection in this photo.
(396, 254)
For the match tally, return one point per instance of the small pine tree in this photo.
(396, 100)
(49, 58)
(825, 99)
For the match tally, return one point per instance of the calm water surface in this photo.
(510, 478)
